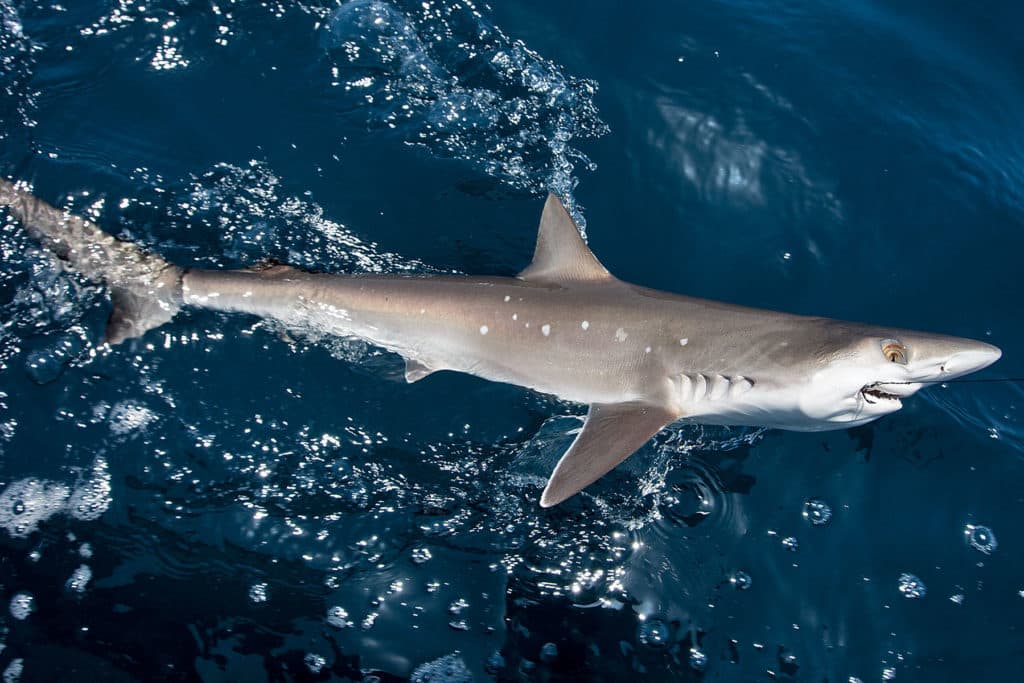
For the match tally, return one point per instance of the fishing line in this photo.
(1015, 380)
(873, 387)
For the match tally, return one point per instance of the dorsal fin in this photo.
(561, 254)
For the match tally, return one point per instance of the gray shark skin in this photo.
(639, 358)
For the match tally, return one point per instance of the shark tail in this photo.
(145, 289)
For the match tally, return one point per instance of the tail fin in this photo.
(145, 289)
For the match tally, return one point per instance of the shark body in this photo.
(639, 358)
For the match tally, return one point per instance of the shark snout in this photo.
(976, 356)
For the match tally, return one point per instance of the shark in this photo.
(639, 358)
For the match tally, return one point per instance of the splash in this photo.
(449, 80)
(442, 76)
(16, 66)
(256, 219)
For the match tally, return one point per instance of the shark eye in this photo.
(894, 352)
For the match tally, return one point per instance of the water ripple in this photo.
(991, 410)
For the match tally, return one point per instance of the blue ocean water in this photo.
(225, 501)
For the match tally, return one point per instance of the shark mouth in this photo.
(872, 394)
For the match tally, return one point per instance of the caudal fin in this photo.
(145, 289)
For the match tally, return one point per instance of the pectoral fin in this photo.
(611, 433)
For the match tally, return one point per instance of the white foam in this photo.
(27, 503)
(12, 674)
(315, 662)
(91, 498)
(128, 416)
(79, 579)
(338, 617)
(451, 81)
(258, 592)
(22, 605)
(449, 669)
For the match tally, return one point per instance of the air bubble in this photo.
(91, 498)
(740, 580)
(817, 511)
(495, 663)
(448, 669)
(22, 605)
(45, 365)
(79, 579)
(654, 633)
(27, 502)
(12, 674)
(698, 659)
(128, 416)
(338, 617)
(788, 662)
(314, 662)
(980, 538)
(791, 544)
(258, 592)
(421, 555)
(911, 586)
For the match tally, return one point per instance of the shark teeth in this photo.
(873, 394)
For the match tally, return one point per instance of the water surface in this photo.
(222, 500)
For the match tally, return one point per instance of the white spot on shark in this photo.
(647, 350)
(507, 298)
(620, 335)
(422, 311)
(585, 324)
(545, 330)
(684, 341)
(483, 329)
(515, 316)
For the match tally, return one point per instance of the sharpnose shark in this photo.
(640, 358)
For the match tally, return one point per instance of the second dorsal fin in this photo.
(561, 254)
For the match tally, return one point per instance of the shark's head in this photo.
(861, 373)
